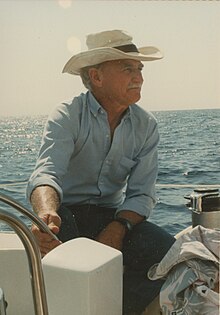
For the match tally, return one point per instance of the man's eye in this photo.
(128, 69)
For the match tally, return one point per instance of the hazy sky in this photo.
(39, 36)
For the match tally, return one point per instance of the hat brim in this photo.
(96, 56)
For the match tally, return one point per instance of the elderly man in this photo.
(98, 163)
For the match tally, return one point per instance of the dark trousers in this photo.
(144, 246)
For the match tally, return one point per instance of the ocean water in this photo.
(189, 157)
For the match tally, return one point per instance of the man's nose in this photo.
(137, 76)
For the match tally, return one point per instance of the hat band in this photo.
(127, 48)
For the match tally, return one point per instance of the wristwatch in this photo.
(125, 222)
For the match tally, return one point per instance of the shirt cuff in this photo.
(141, 205)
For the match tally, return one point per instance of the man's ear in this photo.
(95, 77)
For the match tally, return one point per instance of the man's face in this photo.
(121, 80)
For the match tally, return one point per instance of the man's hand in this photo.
(45, 202)
(45, 241)
(113, 235)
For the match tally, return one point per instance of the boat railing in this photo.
(31, 248)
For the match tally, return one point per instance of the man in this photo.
(98, 162)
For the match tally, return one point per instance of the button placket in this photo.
(106, 148)
(112, 148)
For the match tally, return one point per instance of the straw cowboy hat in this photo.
(109, 45)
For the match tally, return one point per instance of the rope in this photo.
(186, 186)
(157, 185)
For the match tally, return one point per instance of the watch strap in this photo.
(125, 222)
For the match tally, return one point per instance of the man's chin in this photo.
(136, 97)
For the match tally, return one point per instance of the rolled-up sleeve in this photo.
(140, 191)
(56, 149)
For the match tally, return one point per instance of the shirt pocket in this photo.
(123, 169)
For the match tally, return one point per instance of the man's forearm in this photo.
(45, 199)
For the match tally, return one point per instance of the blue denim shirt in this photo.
(81, 161)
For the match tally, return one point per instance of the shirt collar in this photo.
(95, 107)
(94, 104)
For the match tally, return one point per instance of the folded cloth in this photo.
(191, 272)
